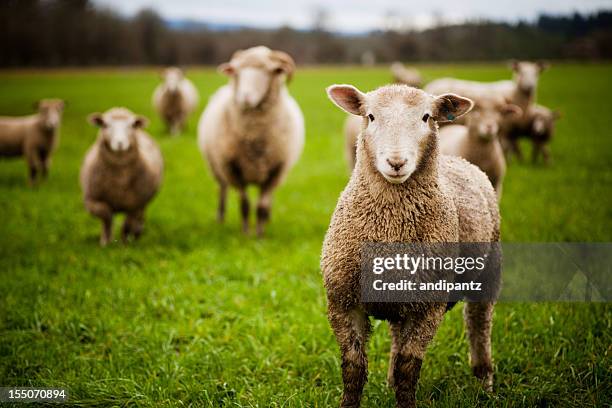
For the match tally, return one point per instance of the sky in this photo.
(355, 15)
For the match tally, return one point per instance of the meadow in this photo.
(197, 314)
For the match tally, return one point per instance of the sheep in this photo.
(121, 172)
(478, 141)
(34, 137)
(521, 90)
(252, 131)
(175, 99)
(402, 190)
(403, 75)
(538, 126)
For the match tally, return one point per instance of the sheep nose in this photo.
(396, 164)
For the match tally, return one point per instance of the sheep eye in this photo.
(371, 117)
(426, 117)
(278, 71)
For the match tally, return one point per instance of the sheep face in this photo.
(172, 79)
(257, 75)
(527, 74)
(544, 122)
(398, 123)
(50, 112)
(118, 128)
(484, 122)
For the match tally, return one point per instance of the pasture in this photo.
(196, 314)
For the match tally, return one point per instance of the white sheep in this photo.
(478, 141)
(121, 172)
(521, 90)
(402, 190)
(252, 131)
(175, 99)
(34, 137)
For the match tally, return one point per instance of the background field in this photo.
(197, 314)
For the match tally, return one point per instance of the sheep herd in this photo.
(424, 169)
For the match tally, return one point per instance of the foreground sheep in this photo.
(479, 140)
(121, 172)
(402, 190)
(34, 137)
(406, 76)
(175, 99)
(538, 125)
(252, 131)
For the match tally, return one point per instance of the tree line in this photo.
(77, 33)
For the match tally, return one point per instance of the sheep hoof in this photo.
(485, 374)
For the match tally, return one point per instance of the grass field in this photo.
(196, 314)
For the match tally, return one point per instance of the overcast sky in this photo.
(355, 15)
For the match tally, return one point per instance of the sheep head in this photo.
(257, 75)
(118, 128)
(486, 120)
(399, 122)
(527, 74)
(50, 112)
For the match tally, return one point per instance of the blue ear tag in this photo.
(450, 116)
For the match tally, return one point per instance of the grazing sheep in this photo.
(538, 126)
(402, 190)
(175, 99)
(34, 137)
(478, 140)
(407, 76)
(252, 131)
(521, 90)
(121, 172)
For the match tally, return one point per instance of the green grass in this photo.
(196, 314)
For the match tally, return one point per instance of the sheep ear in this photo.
(448, 107)
(140, 122)
(226, 69)
(286, 63)
(96, 119)
(514, 65)
(511, 109)
(347, 98)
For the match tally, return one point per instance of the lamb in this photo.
(403, 75)
(34, 137)
(252, 131)
(478, 141)
(121, 172)
(402, 190)
(520, 91)
(175, 99)
(538, 126)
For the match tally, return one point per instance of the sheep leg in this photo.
(222, 200)
(104, 212)
(414, 336)
(35, 166)
(394, 331)
(352, 329)
(265, 198)
(244, 209)
(44, 162)
(133, 225)
(537, 148)
(478, 320)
